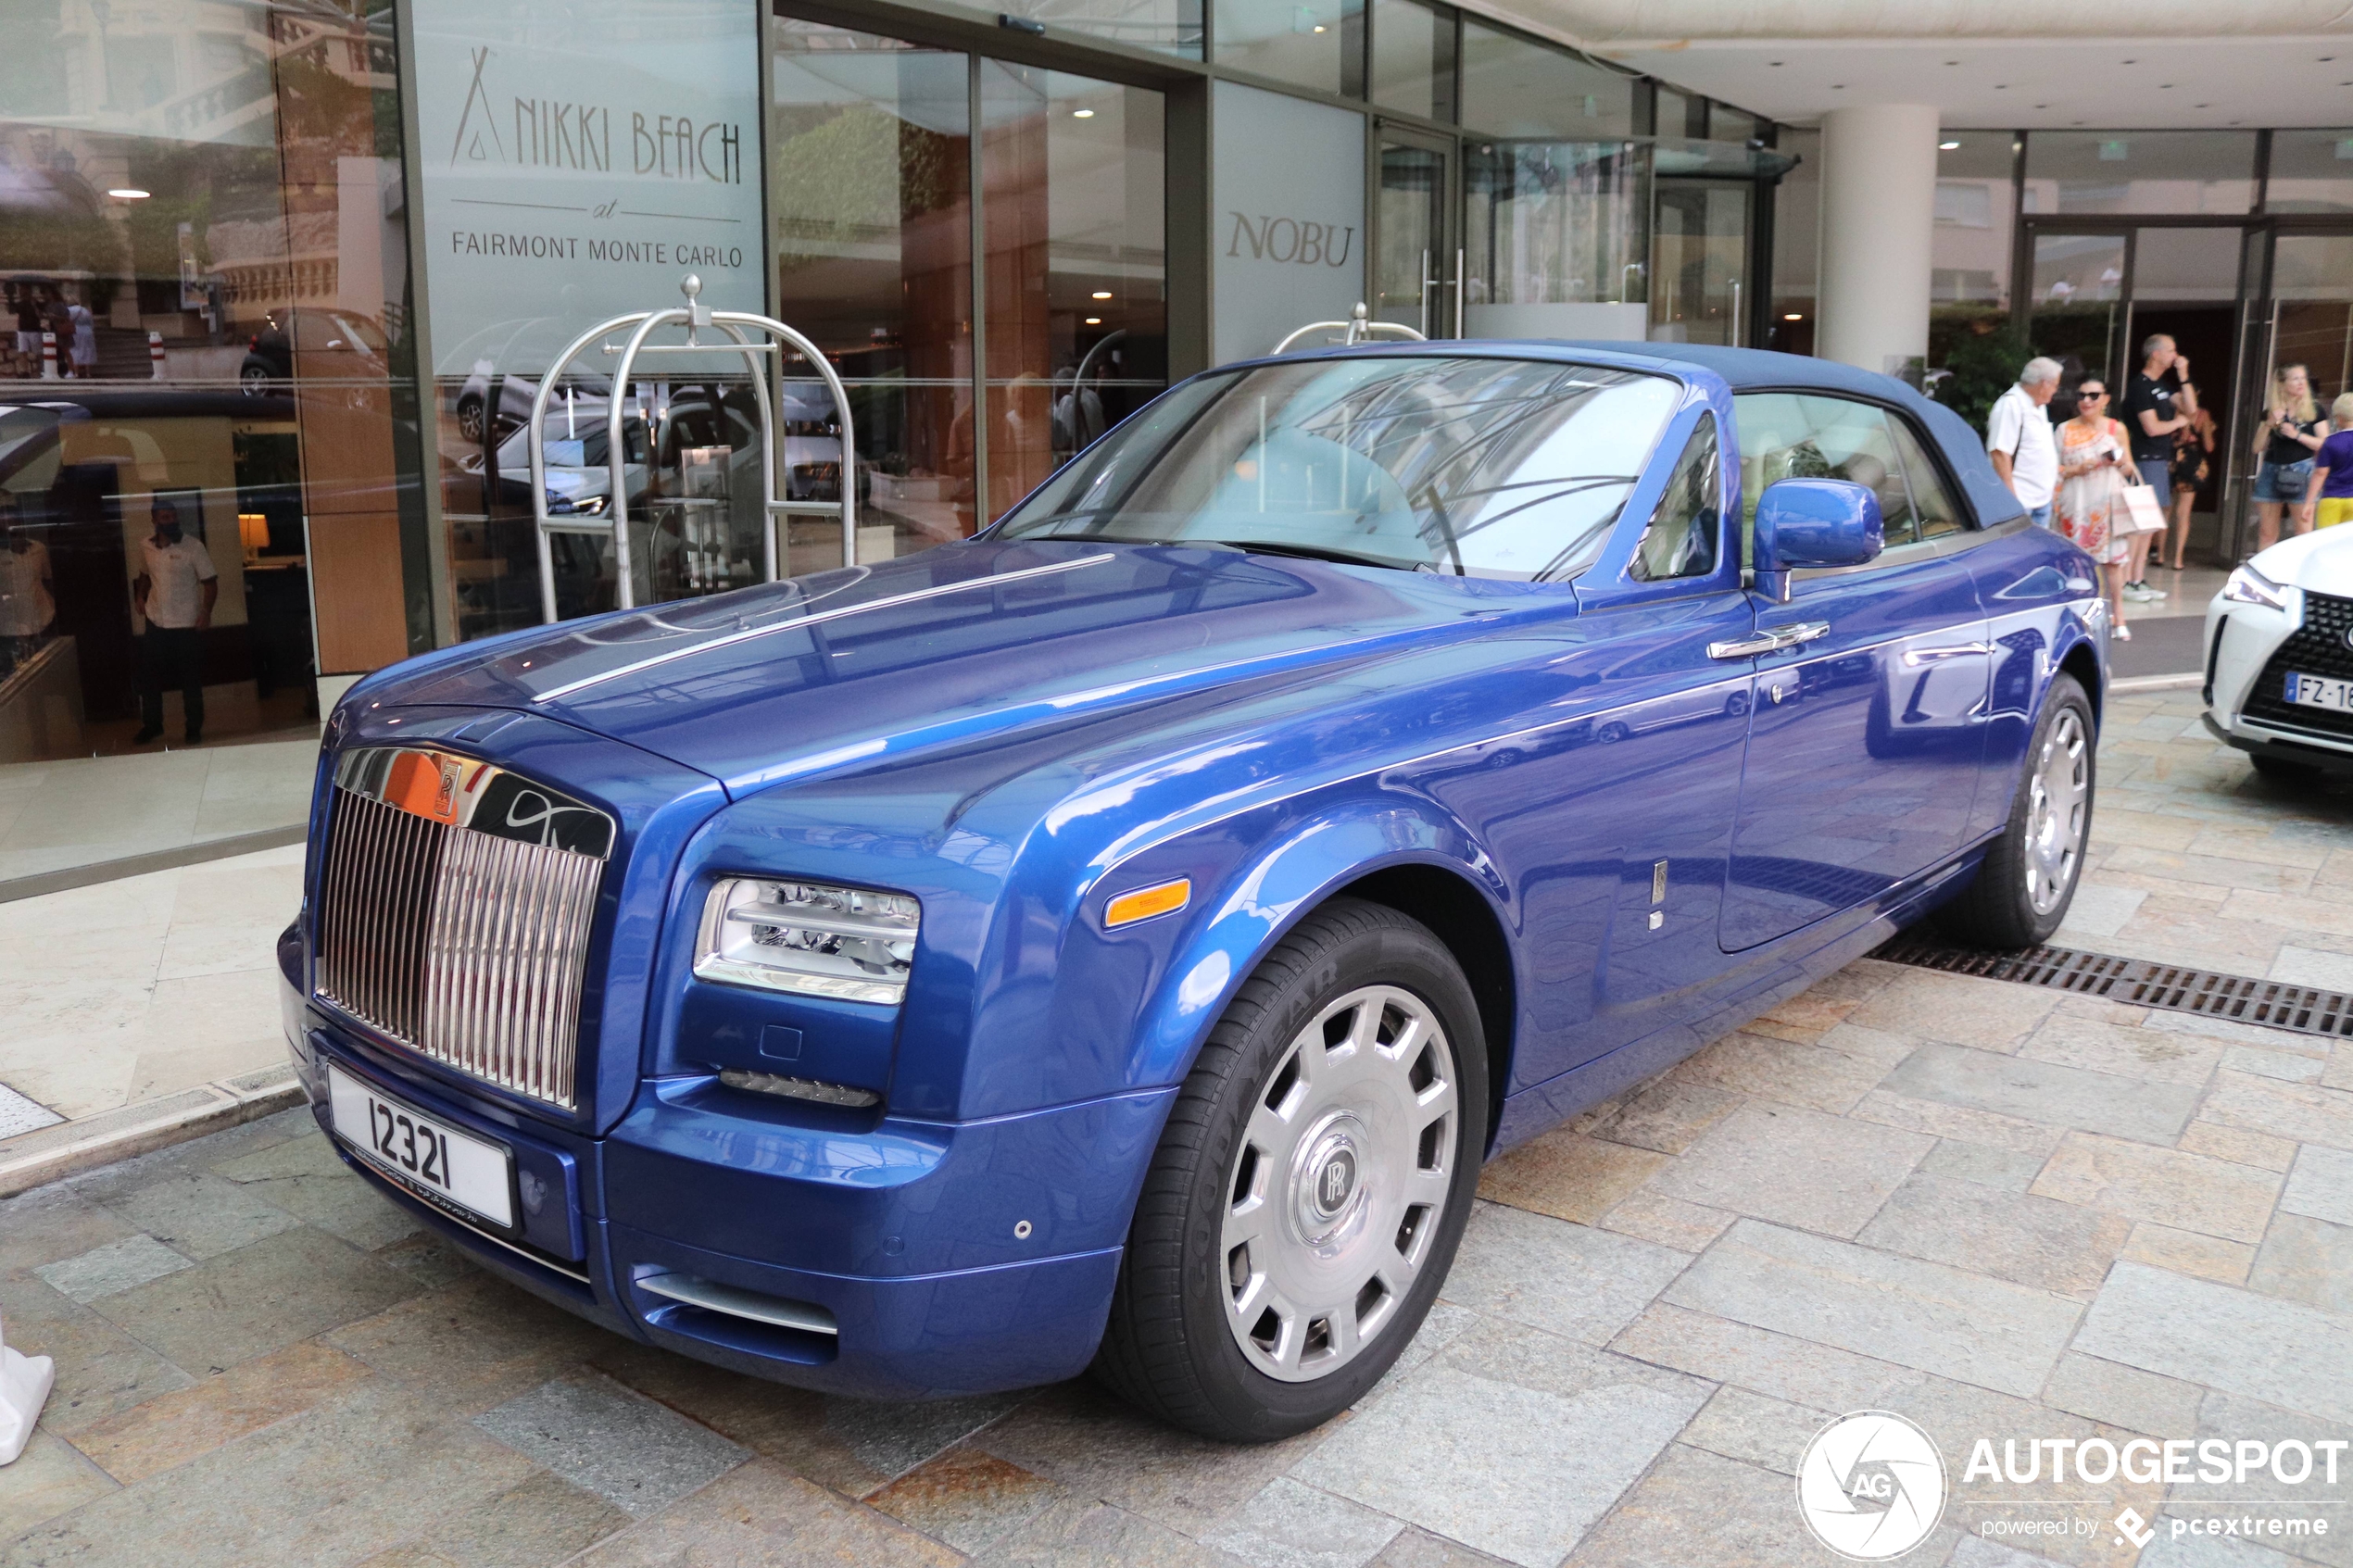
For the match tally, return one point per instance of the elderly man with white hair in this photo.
(2018, 437)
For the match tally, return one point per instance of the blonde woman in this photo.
(2330, 493)
(2090, 492)
(2293, 431)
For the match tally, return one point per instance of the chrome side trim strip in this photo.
(711, 1295)
(730, 639)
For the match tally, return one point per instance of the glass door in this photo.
(2303, 316)
(1417, 262)
(1699, 261)
(2075, 305)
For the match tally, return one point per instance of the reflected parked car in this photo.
(1118, 940)
(330, 345)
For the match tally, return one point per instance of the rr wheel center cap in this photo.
(1326, 1177)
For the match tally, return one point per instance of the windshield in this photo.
(1475, 467)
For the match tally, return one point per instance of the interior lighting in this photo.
(1949, 146)
(1094, 321)
(1794, 316)
(1082, 114)
(129, 193)
(1100, 294)
(1320, 27)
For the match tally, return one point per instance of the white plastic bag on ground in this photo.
(24, 1388)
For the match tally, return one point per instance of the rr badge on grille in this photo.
(444, 801)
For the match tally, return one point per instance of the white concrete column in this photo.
(1879, 219)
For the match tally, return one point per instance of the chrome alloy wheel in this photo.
(2059, 805)
(1334, 1196)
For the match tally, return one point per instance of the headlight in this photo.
(810, 937)
(2249, 586)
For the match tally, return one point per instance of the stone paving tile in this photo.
(2319, 968)
(1075, 1532)
(1667, 1116)
(636, 1455)
(52, 1224)
(2152, 1054)
(1798, 1370)
(47, 1479)
(761, 1513)
(2123, 1397)
(2320, 1185)
(1807, 1015)
(1959, 1124)
(2306, 1259)
(1096, 1448)
(173, 1428)
(547, 1520)
(2097, 912)
(100, 1369)
(201, 1215)
(2234, 1340)
(1769, 1433)
(1670, 1222)
(367, 1471)
(1419, 1548)
(2045, 1092)
(1701, 1508)
(2333, 916)
(2285, 1111)
(2027, 1240)
(1794, 1166)
(2002, 1169)
(1956, 1010)
(2189, 1192)
(306, 1178)
(112, 1268)
(2214, 870)
(2288, 1066)
(260, 1298)
(1793, 1072)
(1923, 1315)
(1291, 1525)
(2238, 1146)
(2187, 1252)
(1568, 1279)
(1568, 1177)
(967, 1498)
(1508, 1469)
(471, 1345)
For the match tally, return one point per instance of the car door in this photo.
(1868, 737)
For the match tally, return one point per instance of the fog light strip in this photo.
(711, 1295)
(799, 1089)
(2301, 1009)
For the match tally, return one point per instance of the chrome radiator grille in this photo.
(455, 910)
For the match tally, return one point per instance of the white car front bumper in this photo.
(2246, 672)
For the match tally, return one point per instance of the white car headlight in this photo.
(811, 937)
(2249, 586)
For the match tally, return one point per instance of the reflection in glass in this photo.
(203, 275)
(1307, 42)
(1170, 27)
(2312, 290)
(2077, 308)
(2141, 171)
(2310, 171)
(1076, 315)
(1553, 230)
(1408, 279)
(1970, 260)
(1477, 468)
(1797, 216)
(1515, 86)
(1414, 59)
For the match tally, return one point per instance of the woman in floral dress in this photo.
(2090, 498)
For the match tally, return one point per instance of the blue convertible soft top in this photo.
(1751, 369)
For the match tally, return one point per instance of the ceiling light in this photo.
(1100, 294)
(1320, 27)
(1949, 146)
(128, 194)
(1082, 114)
(1094, 321)
(1794, 316)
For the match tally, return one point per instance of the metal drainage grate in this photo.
(2139, 983)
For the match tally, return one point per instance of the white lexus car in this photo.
(2279, 658)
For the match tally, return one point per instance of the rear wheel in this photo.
(2028, 879)
(1311, 1188)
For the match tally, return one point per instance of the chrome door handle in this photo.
(1769, 642)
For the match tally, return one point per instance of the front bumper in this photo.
(951, 1258)
(2240, 642)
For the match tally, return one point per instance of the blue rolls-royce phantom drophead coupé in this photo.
(1117, 939)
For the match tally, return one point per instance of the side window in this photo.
(1681, 540)
(1808, 435)
(1930, 499)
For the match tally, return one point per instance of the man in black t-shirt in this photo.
(2150, 421)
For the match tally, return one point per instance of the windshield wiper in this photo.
(1309, 552)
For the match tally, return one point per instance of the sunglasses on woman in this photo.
(2089, 396)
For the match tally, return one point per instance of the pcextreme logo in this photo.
(1871, 1486)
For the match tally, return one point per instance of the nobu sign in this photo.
(1297, 240)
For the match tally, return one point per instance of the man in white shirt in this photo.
(2018, 437)
(175, 590)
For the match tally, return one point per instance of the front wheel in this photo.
(2021, 891)
(1313, 1182)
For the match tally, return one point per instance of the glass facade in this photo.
(207, 413)
(2140, 172)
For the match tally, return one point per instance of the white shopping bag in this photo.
(24, 1388)
(2142, 514)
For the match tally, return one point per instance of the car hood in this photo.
(953, 647)
(2321, 560)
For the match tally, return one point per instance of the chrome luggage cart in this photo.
(1359, 328)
